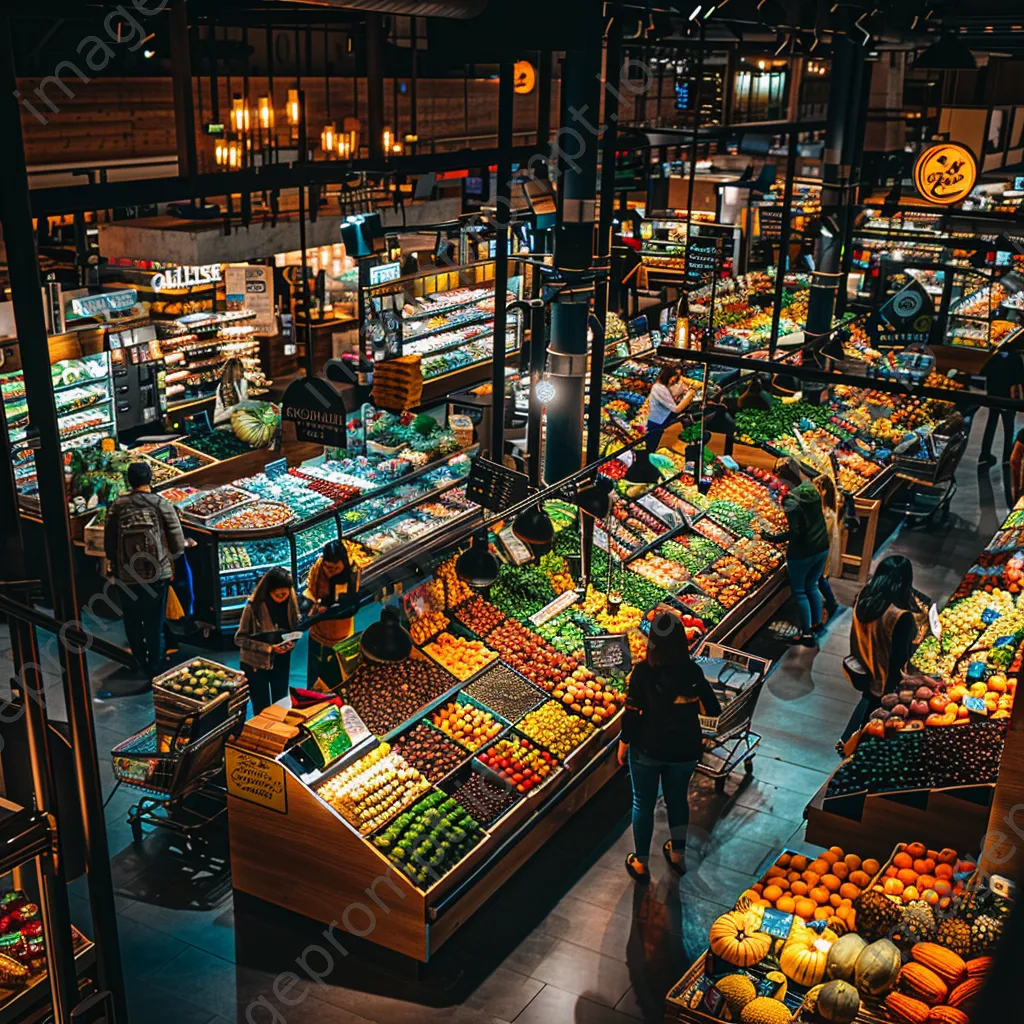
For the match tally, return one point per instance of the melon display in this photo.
(877, 968)
(842, 957)
(256, 424)
(838, 1002)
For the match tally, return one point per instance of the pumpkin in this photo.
(734, 937)
(949, 966)
(838, 1002)
(965, 992)
(906, 1009)
(918, 981)
(877, 968)
(979, 966)
(805, 955)
(763, 1010)
(842, 957)
(947, 1015)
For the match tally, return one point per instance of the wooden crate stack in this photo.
(398, 383)
(274, 728)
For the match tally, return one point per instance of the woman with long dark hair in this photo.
(232, 392)
(661, 739)
(882, 634)
(333, 580)
(273, 608)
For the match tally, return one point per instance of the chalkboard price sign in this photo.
(607, 653)
(495, 487)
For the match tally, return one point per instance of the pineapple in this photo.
(878, 915)
(955, 935)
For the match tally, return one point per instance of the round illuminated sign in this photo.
(946, 173)
(523, 76)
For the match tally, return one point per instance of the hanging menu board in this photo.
(496, 487)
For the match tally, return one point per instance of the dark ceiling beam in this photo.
(103, 196)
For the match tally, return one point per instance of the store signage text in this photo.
(185, 277)
(317, 411)
(385, 272)
(946, 173)
(106, 302)
(255, 779)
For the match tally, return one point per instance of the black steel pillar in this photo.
(845, 123)
(693, 157)
(574, 250)
(374, 87)
(785, 235)
(543, 101)
(181, 84)
(23, 271)
(503, 212)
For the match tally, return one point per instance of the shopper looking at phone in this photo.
(272, 609)
(333, 580)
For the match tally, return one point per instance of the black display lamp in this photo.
(477, 566)
(387, 639)
(596, 498)
(721, 422)
(533, 527)
(642, 470)
(947, 53)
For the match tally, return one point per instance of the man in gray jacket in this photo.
(142, 536)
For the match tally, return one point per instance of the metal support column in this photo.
(544, 101)
(23, 270)
(786, 233)
(693, 157)
(374, 87)
(574, 250)
(181, 84)
(845, 121)
(503, 211)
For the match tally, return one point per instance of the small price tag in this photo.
(776, 923)
(976, 670)
(976, 705)
(934, 623)
(989, 615)
(1005, 641)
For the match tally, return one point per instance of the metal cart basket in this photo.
(189, 769)
(728, 738)
(931, 482)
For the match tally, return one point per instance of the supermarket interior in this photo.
(679, 687)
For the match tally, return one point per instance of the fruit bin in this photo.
(464, 698)
(173, 708)
(509, 819)
(553, 781)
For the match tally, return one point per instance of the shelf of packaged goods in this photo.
(481, 317)
(459, 342)
(445, 310)
(247, 568)
(106, 428)
(486, 361)
(28, 1003)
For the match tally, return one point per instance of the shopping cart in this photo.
(930, 481)
(178, 786)
(737, 678)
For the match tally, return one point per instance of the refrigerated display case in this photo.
(83, 388)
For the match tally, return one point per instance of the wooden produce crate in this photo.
(172, 708)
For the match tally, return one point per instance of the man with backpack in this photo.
(142, 536)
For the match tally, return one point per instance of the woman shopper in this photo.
(881, 635)
(661, 739)
(834, 563)
(332, 580)
(232, 393)
(663, 403)
(273, 608)
(806, 554)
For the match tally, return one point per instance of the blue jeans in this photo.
(804, 574)
(645, 773)
(654, 432)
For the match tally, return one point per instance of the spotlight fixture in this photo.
(477, 566)
(545, 391)
(533, 527)
(595, 498)
(946, 54)
(386, 640)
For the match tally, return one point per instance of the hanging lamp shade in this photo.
(595, 498)
(477, 566)
(946, 54)
(533, 527)
(386, 640)
(642, 470)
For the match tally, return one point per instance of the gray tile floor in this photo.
(569, 938)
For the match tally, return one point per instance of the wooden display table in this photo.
(290, 848)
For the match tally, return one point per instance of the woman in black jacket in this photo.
(661, 738)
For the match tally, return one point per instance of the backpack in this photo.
(140, 536)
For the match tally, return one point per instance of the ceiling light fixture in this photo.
(387, 639)
(533, 527)
(946, 54)
(477, 566)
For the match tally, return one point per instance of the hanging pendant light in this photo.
(477, 566)
(595, 498)
(239, 115)
(292, 107)
(386, 640)
(328, 138)
(533, 527)
(265, 118)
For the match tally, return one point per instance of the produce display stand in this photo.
(32, 1003)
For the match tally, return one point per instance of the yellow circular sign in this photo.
(523, 76)
(946, 173)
